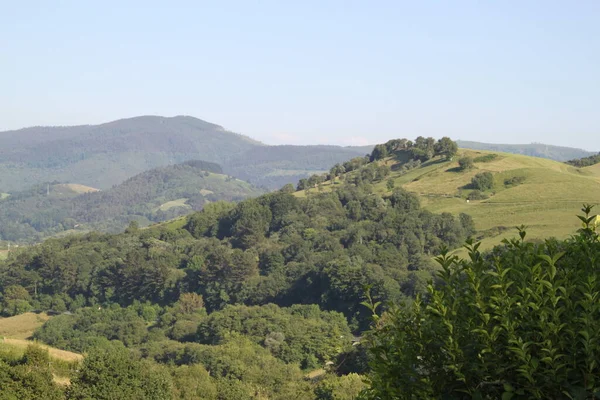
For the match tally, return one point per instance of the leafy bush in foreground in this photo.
(523, 322)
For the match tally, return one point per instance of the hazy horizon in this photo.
(346, 73)
(292, 144)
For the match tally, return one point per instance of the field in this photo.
(75, 188)
(15, 334)
(546, 202)
(3, 254)
(174, 203)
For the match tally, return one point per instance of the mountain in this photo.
(557, 153)
(107, 154)
(541, 194)
(152, 196)
(275, 166)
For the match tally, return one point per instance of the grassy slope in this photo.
(14, 339)
(546, 202)
(16, 331)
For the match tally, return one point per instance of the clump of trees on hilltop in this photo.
(413, 154)
(422, 148)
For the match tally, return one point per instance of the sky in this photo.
(307, 72)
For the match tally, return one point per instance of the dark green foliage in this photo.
(390, 184)
(346, 387)
(514, 181)
(113, 373)
(379, 152)
(27, 377)
(466, 163)
(523, 322)
(477, 195)
(30, 215)
(295, 335)
(422, 149)
(486, 158)
(585, 161)
(91, 328)
(446, 147)
(329, 245)
(483, 181)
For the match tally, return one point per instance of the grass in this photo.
(174, 203)
(172, 224)
(57, 354)
(3, 196)
(15, 334)
(75, 188)
(22, 326)
(547, 198)
(3, 254)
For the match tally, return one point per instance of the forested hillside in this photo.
(105, 155)
(498, 190)
(153, 196)
(236, 302)
(309, 295)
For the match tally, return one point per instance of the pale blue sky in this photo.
(345, 72)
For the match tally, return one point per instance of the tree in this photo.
(522, 323)
(379, 152)
(28, 377)
(483, 181)
(446, 147)
(466, 163)
(112, 373)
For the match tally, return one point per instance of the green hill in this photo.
(541, 194)
(557, 153)
(105, 155)
(153, 196)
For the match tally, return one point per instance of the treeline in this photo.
(259, 293)
(585, 161)
(361, 170)
(273, 249)
(50, 209)
(422, 149)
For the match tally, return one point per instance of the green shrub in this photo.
(466, 163)
(483, 181)
(514, 181)
(477, 195)
(486, 158)
(523, 322)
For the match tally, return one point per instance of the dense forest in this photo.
(153, 196)
(106, 155)
(310, 297)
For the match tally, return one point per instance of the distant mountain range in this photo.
(556, 153)
(153, 196)
(105, 155)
